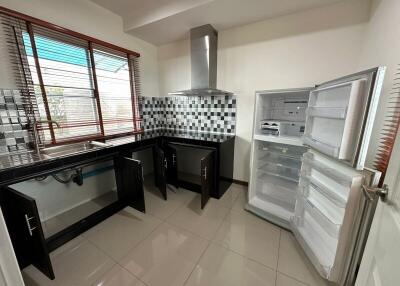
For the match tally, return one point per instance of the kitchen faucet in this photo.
(36, 134)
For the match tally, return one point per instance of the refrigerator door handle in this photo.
(372, 192)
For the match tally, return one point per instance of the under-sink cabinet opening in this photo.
(45, 212)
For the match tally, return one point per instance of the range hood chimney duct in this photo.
(203, 59)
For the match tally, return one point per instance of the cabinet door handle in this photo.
(173, 159)
(28, 224)
(165, 163)
(205, 173)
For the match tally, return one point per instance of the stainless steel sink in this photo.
(70, 149)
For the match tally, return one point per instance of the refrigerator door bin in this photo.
(331, 225)
(307, 183)
(336, 106)
(327, 112)
(316, 166)
(319, 247)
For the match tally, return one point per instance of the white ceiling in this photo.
(163, 21)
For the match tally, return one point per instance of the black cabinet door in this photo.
(172, 165)
(130, 189)
(26, 231)
(160, 165)
(207, 178)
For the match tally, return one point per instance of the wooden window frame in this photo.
(90, 40)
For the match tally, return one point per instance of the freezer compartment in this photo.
(334, 118)
(281, 113)
(282, 127)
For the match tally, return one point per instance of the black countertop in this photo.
(11, 163)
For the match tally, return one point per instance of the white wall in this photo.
(9, 270)
(88, 18)
(381, 46)
(297, 50)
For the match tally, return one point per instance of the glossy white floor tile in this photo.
(230, 196)
(250, 236)
(160, 208)
(283, 280)
(294, 263)
(176, 243)
(121, 232)
(80, 264)
(203, 222)
(241, 199)
(222, 267)
(118, 276)
(166, 257)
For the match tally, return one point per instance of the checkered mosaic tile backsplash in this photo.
(215, 114)
(14, 135)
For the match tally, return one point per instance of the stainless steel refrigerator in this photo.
(308, 165)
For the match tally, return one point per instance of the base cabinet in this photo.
(191, 167)
(26, 229)
(23, 223)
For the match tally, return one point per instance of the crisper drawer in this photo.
(277, 191)
(334, 119)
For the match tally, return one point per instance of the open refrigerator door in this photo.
(329, 198)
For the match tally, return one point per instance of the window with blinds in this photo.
(114, 85)
(89, 89)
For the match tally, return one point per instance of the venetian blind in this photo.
(89, 87)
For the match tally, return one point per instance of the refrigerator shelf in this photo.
(336, 198)
(282, 139)
(287, 151)
(327, 112)
(280, 172)
(281, 163)
(274, 180)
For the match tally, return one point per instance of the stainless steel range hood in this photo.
(203, 59)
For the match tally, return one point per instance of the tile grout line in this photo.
(164, 220)
(197, 262)
(122, 258)
(294, 278)
(248, 258)
(277, 261)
